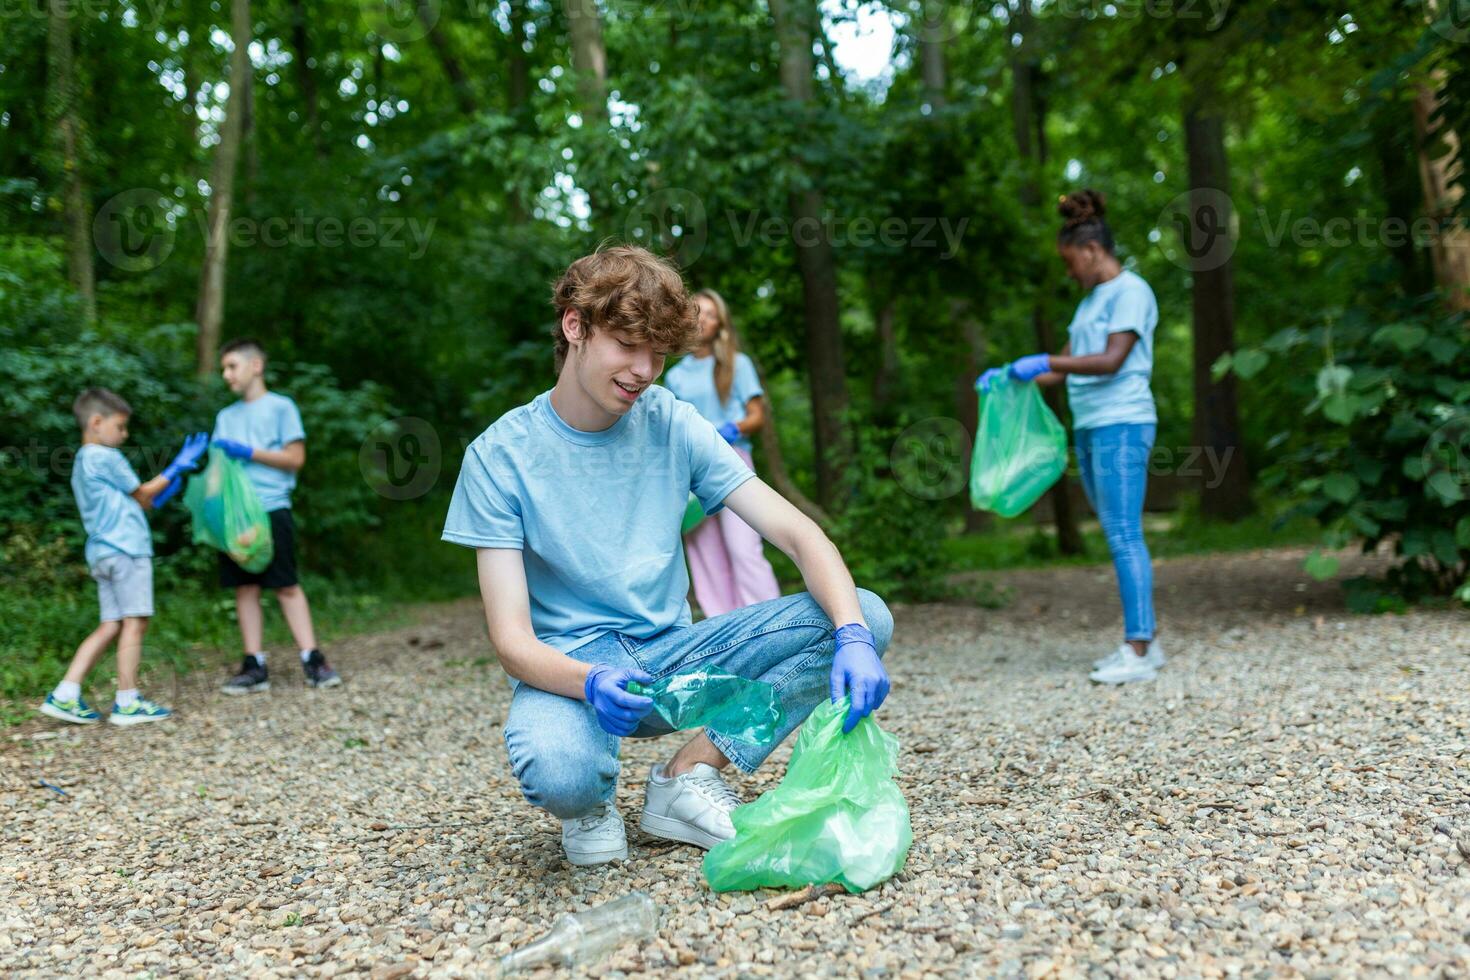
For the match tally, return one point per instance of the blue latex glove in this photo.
(857, 671)
(983, 383)
(233, 449)
(730, 431)
(167, 493)
(194, 447)
(1030, 367)
(618, 712)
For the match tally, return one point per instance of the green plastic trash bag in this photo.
(739, 708)
(1020, 448)
(693, 514)
(228, 514)
(836, 816)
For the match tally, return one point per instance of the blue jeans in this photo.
(1114, 464)
(567, 764)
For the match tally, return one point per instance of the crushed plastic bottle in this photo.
(739, 708)
(582, 938)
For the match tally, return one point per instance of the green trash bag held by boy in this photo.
(1020, 449)
(228, 514)
(836, 816)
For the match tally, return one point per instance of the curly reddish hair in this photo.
(630, 290)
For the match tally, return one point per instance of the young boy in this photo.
(573, 504)
(264, 429)
(119, 554)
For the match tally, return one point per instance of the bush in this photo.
(1382, 452)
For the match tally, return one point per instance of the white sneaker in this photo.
(1155, 655)
(693, 808)
(595, 838)
(1125, 667)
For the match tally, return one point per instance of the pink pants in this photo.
(727, 564)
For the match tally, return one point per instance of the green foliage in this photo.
(1382, 450)
(891, 538)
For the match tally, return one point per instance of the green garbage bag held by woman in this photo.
(1020, 448)
(836, 816)
(228, 514)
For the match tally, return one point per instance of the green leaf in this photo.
(1442, 350)
(1445, 548)
(1321, 567)
(1446, 487)
(1333, 379)
(1369, 470)
(1462, 532)
(1221, 367)
(1404, 336)
(1341, 487)
(1414, 543)
(1414, 467)
(1249, 362)
(1341, 407)
(1366, 525)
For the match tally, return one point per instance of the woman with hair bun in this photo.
(1106, 364)
(726, 559)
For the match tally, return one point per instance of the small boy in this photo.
(119, 553)
(264, 429)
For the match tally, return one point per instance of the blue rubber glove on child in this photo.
(857, 671)
(606, 689)
(188, 457)
(730, 431)
(233, 449)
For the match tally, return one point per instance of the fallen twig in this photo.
(875, 910)
(808, 894)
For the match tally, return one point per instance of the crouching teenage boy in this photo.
(573, 503)
(264, 429)
(119, 554)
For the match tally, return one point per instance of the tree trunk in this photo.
(1028, 117)
(818, 267)
(1216, 411)
(464, 96)
(188, 59)
(69, 139)
(970, 350)
(885, 377)
(210, 309)
(774, 471)
(518, 98)
(518, 70)
(932, 66)
(248, 144)
(589, 58)
(306, 78)
(1437, 146)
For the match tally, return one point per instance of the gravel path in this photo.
(1286, 800)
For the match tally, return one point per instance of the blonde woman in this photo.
(726, 561)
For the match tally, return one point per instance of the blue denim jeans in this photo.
(567, 765)
(1114, 464)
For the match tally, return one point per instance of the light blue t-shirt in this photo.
(103, 482)
(693, 380)
(273, 422)
(595, 514)
(1124, 302)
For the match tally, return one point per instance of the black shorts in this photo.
(281, 572)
